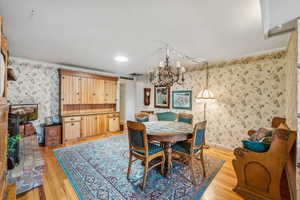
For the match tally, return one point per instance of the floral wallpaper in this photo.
(249, 93)
(37, 83)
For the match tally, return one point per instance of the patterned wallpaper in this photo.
(37, 83)
(249, 92)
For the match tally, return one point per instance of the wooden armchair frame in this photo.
(259, 174)
(145, 157)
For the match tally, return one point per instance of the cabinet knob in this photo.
(77, 93)
(72, 124)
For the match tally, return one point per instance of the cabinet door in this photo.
(65, 88)
(110, 88)
(84, 126)
(86, 91)
(89, 125)
(70, 89)
(102, 124)
(71, 130)
(99, 91)
(113, 92)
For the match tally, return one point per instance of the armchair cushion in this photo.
(260, 134)
(152, 148)
(255, 146)
(183, 147)
(166, 116)
(142, 119)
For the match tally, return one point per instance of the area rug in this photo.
(97, 170)
(29, 173)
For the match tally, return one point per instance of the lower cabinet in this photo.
(86, 126)
(71, 129)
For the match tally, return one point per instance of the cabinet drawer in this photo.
(70, 119)
(53, 141)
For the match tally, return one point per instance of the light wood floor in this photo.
(57, 187)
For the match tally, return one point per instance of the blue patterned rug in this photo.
(97, 170)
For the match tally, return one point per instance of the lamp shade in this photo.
(205, 95)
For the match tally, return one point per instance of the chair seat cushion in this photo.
(183, 147)
(153, 149)
(254, 146)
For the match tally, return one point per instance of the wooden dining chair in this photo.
(186, 118)
(141, 149)
(142, 117)
(192, 148)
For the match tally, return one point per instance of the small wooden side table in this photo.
(52, 134)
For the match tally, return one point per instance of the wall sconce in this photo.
(147, 93)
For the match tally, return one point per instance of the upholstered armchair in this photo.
(259, 174)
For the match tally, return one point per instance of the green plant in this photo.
(11, 143)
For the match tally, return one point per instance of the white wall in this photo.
(128, 100)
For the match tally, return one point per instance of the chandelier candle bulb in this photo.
(161, 64)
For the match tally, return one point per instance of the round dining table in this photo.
(168, 133)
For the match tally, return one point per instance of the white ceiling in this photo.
(278, 12)
(91, 33)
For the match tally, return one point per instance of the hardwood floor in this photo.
(57, 187)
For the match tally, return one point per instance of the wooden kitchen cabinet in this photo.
(86, 91)
(102, 124)
(94, 125)
(110, 89)
(86, 100)
(98, 91)
(71, 128)
(89, 125)
(70, 90)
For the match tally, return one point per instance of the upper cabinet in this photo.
(87, 93)
(110, 89)
(98, 91)
(70, 89)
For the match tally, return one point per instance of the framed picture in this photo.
(161, 97)
(182, 99)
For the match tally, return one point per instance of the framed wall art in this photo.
(182, 99)
(161, 97)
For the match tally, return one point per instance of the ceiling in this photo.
(91, 33)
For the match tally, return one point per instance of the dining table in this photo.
(168, 133)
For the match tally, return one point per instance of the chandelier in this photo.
(168, 72)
